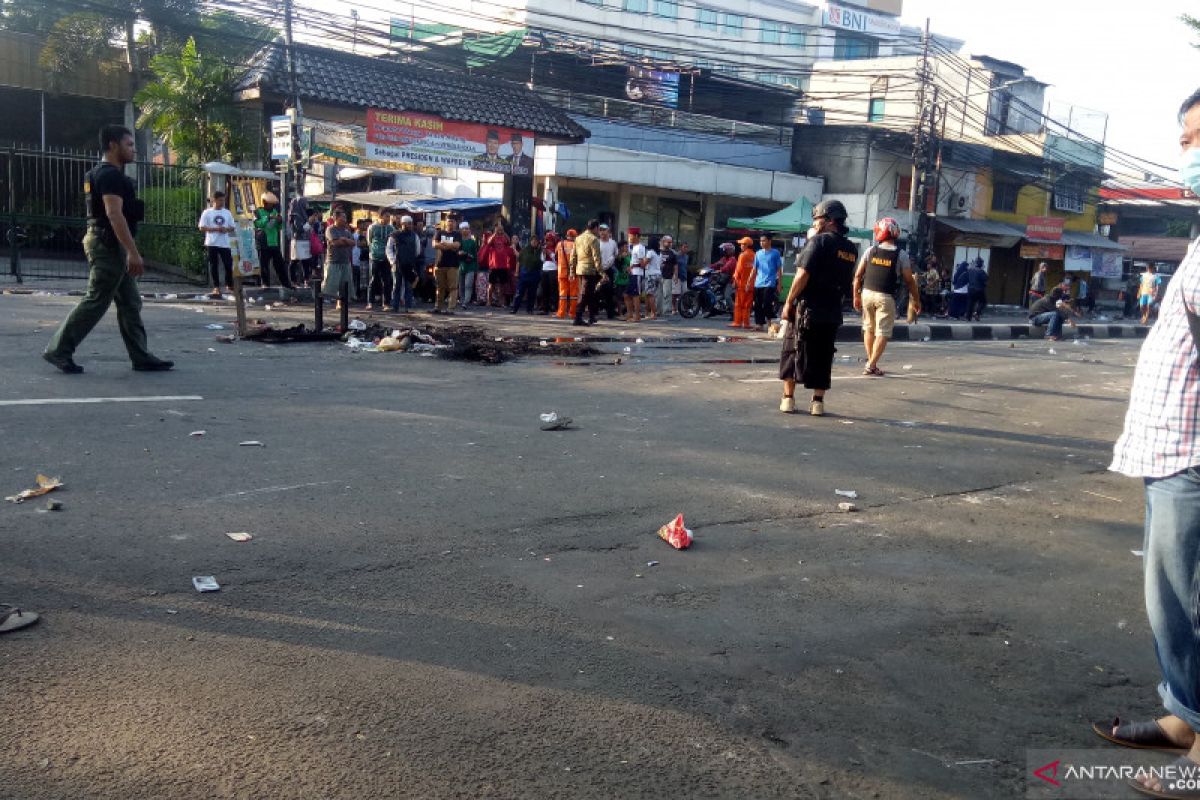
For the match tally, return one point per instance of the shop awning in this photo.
(999, 233)
(1091, 240)
(796, 218)
(410, 201)
(1156, 248)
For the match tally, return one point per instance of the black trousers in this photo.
(976, 302)
(218, 256)
(764, 304)
(549, 291)
(380, 290)
(607, 295)
(269, 257)
(807, 356)
(588, 298)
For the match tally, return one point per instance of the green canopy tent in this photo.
(796, 218)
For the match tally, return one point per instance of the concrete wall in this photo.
(686, 144)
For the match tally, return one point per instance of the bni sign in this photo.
(281, 138)
(833, 16)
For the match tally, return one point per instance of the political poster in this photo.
(427, 139)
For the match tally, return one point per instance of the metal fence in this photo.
(42, 217)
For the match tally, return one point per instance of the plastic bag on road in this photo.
(676, 534)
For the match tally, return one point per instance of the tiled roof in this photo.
(337, 78)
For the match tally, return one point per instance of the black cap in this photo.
(832, 209)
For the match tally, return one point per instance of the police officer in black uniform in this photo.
(824, 270)
(114, 262)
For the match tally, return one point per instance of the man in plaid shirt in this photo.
(1161, 445)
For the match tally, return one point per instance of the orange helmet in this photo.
(887, 229)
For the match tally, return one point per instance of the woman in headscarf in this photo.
(959, 291)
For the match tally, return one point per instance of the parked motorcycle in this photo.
(707, 294)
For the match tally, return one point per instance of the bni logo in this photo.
(1049, 773)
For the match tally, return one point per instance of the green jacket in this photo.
(269, 227)
(468, 255)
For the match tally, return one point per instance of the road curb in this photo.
(941, 332)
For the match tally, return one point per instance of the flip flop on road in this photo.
(1185, 770)
(1138, 735)
(13, 618)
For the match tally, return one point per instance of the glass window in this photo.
(770, 32)
(706, 18)
(1004, 197)
(636, 6)
(847, 46)
(668, 9)
(793, 36)
(875, 110)
(732, 24)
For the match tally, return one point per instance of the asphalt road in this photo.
(441, 600)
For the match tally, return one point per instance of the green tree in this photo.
(190, 106)
(1194, 24)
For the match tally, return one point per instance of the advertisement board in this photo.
(1049, 229)
(848, 19)
(1043, 252)
(347, 144)
(401, 136)
(652, 86)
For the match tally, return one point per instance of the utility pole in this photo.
(925, 135)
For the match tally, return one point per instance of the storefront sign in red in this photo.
(1047, 229)
(1043, 252)
(428, 139)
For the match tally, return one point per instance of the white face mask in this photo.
(812, 232)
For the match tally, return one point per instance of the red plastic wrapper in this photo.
(675, 534)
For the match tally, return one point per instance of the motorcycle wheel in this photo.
(689, 304)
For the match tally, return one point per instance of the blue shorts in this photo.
(1145, 300)
(634, 287)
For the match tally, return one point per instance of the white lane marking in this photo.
(73, 401)
(269, 489)
(59, 401)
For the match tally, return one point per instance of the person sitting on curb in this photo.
(1051, 311)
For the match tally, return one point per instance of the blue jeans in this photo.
(403, 290)
(1050, 320)
(1172, 575)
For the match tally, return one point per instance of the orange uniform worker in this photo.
(743, 282)
(568, 282)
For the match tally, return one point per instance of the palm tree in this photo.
(190, 105)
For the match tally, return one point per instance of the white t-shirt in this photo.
(637, 254)
(654, 265)
(608, 253)
(216, 218)
(549, 265)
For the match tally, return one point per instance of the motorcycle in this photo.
(706, 294)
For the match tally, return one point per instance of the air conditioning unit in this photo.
(956, 204)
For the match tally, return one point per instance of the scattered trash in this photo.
(627, 350)
(847, 507)
(543, 343)
(651, 563)
(54, 505)
(389, 344)
(44, 485)
(1138, 553)
(215, 326)
(267, 307)
(1103, 496)
(357, 325)
(240, 536)
(847, 422)
(1053, 352)
(639, 340)
(676, 534)
(551, 421)
(251, 443)
(907, 366)
(853, 495)
(924, 338)
(197, 434)
(172, 611)
(206, 583)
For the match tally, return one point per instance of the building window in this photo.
(904, 195)
(1069, 197)
(875, 110)
(847, 46)
(732, 25)
(793, 36)
(1004, 197)
(770, 32)
(706, 18)
(668, 9)
(635, 6)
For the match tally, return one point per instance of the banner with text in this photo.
(347, 144)
(426, 139)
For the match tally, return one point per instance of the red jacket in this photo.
(497, 253)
